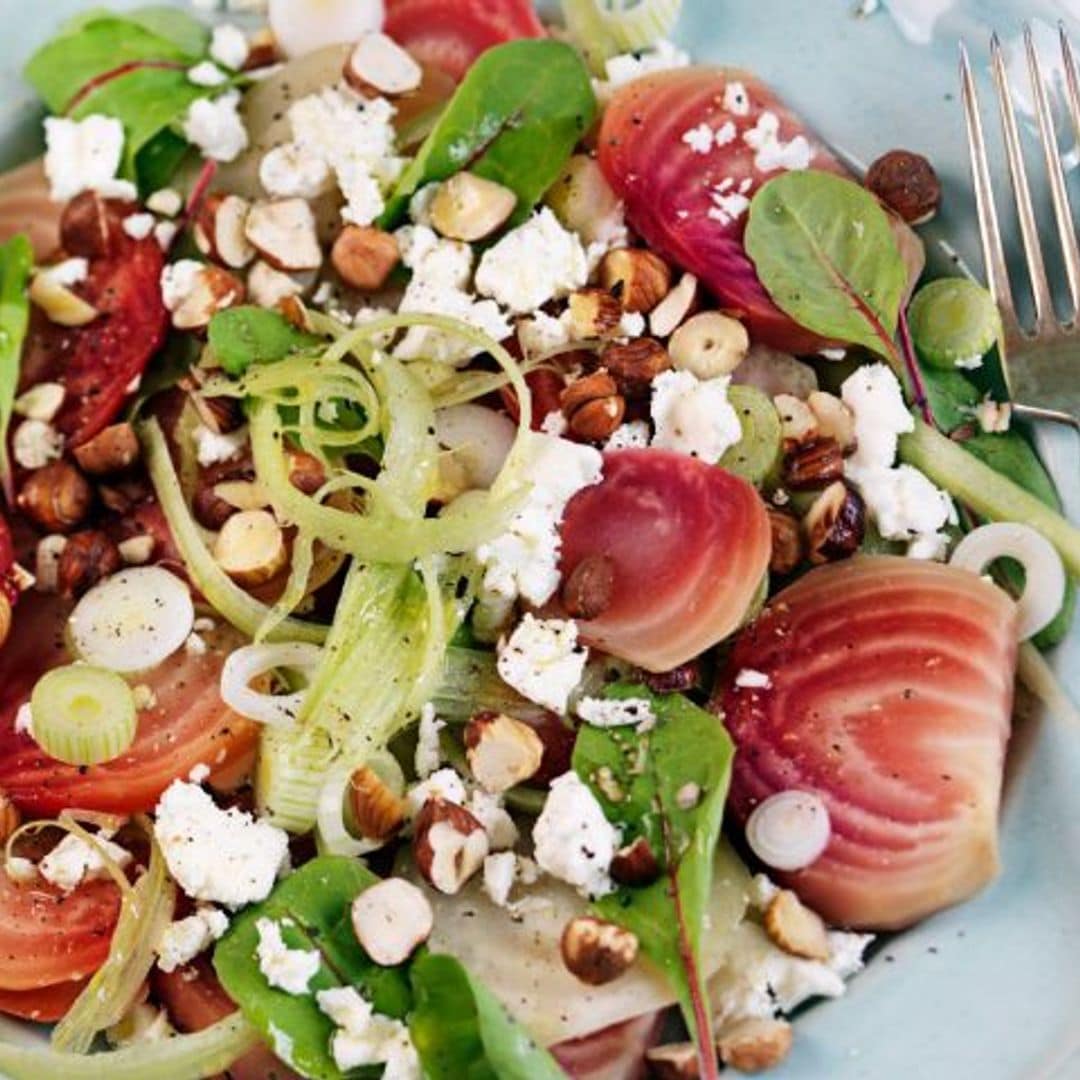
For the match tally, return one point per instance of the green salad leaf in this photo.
(826, 254)
(460, 1029)
(16, 262)
(515, 119)
(673, 782)
(242, 336)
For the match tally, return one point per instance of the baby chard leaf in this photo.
(242, 336)
(669, 785)
(515, 120)
(827, 256)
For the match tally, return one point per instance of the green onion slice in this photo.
(954, 323)
(756, 455)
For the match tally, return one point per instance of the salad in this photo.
(508, 570)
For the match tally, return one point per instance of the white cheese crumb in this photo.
(428, 752)
(748, 679)
(207, 73)
(288, 172)
(139, 226)
(533, 264)
(617, 712)
(500, 870)
(168, 202)
(542, 335)
(144, 696)
(21, 871)
(24, 720)
(574, 841)
(285, 969)
(444, 784)
(213, 448)
(994, 417)
(185, 939)
(633, 435)
(555, 423)
(736, 99)
(216, 128)
(693, 416)
(220, 856)
(74, 861)
(85, 155)
(365, 1037)
(620, 70)
(229, 47)
(488, 809)
(543, 661)
(771, 152)
(700, 139)
(165, 233)
(35, 444)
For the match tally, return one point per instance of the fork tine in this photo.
(997, 270)
(1059, 192)
(1029, 227)
(1072, 80)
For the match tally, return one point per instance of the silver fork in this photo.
(1041, 364)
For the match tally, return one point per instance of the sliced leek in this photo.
(603, 28)
(83, 715)
(289, 776)
(255, 661)
(756, 455)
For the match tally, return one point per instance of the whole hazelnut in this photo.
(907, 183)
(57, 498)
(87, 558)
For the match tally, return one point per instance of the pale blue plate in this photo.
(991, 990)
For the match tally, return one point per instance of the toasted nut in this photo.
(597, 952)
(262, 50)
(585, 202)
(306, 473)
(36, 444)
(676, 1061)
(834, 419)
(594, 313)
(635, 364)
(637, 277)
(814, 465)
(800, 425)
(295, 312)
(242, 494)
(675, 308)
(87, 558)
(635, 864)
(470, 208)
(86, 227)
(364, 257)
(709, 345)
(676, 681)
(502, 752)
(284, 233)
(221, 415)
(5, 619)
(449, 845)
(47, 562)
(787, 542)
(268, 287)
(251, 548)
(835, 525)
(593, 407)
(210, 510)
(391, 920)
(377, 812)
(753, 1046)
(10, 818)
(60, 305)
(137, 550)
(379, 66)
(588, 388)
(209, 291)
(113, 450)
(41, 402)
(219, 230)
(57, 498)
(793, 927)
(588, 590)
(906, 183)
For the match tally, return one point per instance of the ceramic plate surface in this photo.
(992, 989)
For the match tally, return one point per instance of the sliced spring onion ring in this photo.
(83, 715)
(759, 450)
(204, 1054)
(252, 661)
(225, 596)
(789, 830)
(954, 322)
(132, 621)
(1044, 589)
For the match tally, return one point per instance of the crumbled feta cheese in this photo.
(200, 773)
(543, 661)
(525, 559)
(428, 752)
(285, 969)
(758, 979)
(185, 939)
(165, 233)
(533, 264)
(178, 281)
(555, 423)
(365, 1037)
(144, 696)
(139, 226)
(288, 171)
(229, 46)
(500, 870)
(617, 712)
(748, 679)
(542, 335)
(167, 202)
(355, 138)
(85, 155)
(24, 720)
(771, 152)
(873, 395)
(994, 417)
(420, 204)
(727, 206)
(700, 139)
(574, 841)
(693, 416)
(444, 784)
(633, 435)
(441, 272)
(74, 861)
(221, 856)
(736, 99)
(632, 325)
(904, 503)
(21, 871)
(216, 128)
(207, 73)
(664, 56)
(35, 444)
(488, 809)
(213, 448)
(726, 133)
